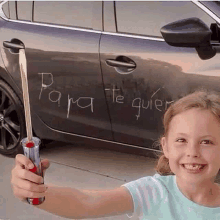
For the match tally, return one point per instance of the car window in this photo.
(214, 6)
(24, 10)
(84, 14)
(12, 10)
(146, 18)
(5, 9)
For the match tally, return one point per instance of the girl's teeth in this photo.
(192, 167)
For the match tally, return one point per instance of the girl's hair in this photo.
(201, 99)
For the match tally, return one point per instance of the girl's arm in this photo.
(80, 204)
(65, 201)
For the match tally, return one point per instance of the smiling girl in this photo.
(183, 188)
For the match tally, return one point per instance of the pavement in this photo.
(74, 165)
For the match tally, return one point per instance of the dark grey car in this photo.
(103, 70)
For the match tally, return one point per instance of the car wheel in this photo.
(12, 121)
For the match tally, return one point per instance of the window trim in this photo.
(2, 15)
(205, 9)
(196, 2)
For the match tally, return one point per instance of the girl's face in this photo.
(193, 145)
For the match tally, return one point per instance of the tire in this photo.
(12, 121)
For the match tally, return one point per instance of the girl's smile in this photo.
(194, 168)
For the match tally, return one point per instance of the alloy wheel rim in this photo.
(9, 123)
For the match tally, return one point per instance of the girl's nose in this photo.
(193, 150)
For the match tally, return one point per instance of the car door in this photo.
(61, 41)
(142, 74)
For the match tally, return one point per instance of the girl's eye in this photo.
(181, 140)
(207, 142)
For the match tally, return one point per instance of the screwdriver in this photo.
(30, 144)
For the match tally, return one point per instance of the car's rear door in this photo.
(142, 74)
(61, 42)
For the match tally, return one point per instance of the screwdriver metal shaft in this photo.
(23, 70)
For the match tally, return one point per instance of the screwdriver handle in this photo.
(31, 151)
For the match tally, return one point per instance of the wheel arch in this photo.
(7, 78)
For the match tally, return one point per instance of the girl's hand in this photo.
(26, 184)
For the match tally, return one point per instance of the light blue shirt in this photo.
(158, 197)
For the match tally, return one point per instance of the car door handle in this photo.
(116, 63)
(10, 45)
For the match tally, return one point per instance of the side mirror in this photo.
(191, 32)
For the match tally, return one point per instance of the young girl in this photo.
(184, 187)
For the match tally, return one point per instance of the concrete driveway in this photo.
(81, 166)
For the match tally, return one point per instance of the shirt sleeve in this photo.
(147, 193)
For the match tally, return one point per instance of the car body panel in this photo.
(66, 89)
(137, 99)
(4, 74)
(75, 93)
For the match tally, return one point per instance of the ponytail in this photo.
(163, 167)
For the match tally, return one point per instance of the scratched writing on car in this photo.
(138, 102)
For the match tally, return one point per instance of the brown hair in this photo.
(201, 99)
